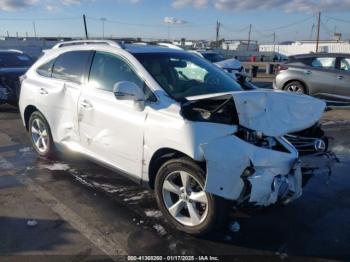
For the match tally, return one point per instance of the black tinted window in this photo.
(71, 66)
(13, 59)
(107, 70)
(46, 69)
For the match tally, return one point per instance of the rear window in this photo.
(71, 66)
(15, 60)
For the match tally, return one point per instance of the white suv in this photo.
(171, 120)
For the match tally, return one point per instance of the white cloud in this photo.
(13, 5)
(186, 3)
(71, 2)
(307, 6)
(173, 21)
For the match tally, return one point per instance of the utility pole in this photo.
(250, 32)
(274, 43)
(85, 27)
(318, 31)
(217, 33)
(8, 34)
(34, 29)
(103, 27)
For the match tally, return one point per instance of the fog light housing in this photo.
(249, 171)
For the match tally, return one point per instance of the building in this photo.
(305, 47)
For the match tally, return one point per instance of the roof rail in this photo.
(87, 42)
(172, 46)
(12, 50)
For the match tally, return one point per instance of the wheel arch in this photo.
(161, 156)
(30, 109)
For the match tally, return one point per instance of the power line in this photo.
(39, 19)
(148, 25)
(234, 30)
(338, 19)
(288, 25)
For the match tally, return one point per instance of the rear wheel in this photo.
(295, 87)
(181, 197)
(40, 135)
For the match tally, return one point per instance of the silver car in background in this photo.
(326, 76)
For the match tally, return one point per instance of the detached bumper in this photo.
(268, 189)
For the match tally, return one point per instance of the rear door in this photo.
(342, 81)
(58, 96)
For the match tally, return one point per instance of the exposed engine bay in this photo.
(272, 153)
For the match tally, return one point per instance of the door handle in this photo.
(308, 72)
(340, 77)
(43, 91)
(86, 104)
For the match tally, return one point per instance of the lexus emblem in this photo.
(320, 145)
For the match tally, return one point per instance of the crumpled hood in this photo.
(274, 113)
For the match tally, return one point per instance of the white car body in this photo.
(127, 137)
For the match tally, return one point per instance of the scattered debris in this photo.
(24, 150)
(172, 246)
(235, 227)
(282, 255)
(32, 223)
(153, 213)
(133, 198)
(56, 167)
(160, 229)
(228, 238)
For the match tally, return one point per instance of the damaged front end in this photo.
(267, 159)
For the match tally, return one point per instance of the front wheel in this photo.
(40, 135)
(181, 197)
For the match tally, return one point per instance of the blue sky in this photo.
(192, 19)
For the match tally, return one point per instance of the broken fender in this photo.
(227, 157)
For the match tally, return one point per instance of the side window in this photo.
(345, 64)
(108, 69)
(71, 66)
(324, 62)
(46, 69)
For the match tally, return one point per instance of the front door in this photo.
(111, 130)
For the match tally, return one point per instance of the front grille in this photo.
(306, 145)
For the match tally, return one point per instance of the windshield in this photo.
(184, 74)
(15, 60)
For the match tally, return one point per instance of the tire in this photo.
(295, 87)
(183, 203)
(40, 136)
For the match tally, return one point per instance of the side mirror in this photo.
(126, 90)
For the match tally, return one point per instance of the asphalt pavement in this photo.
(72, 209)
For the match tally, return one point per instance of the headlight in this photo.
(256, 138)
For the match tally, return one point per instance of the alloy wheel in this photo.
(295, 89)
(185, 198)
(40, 135)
